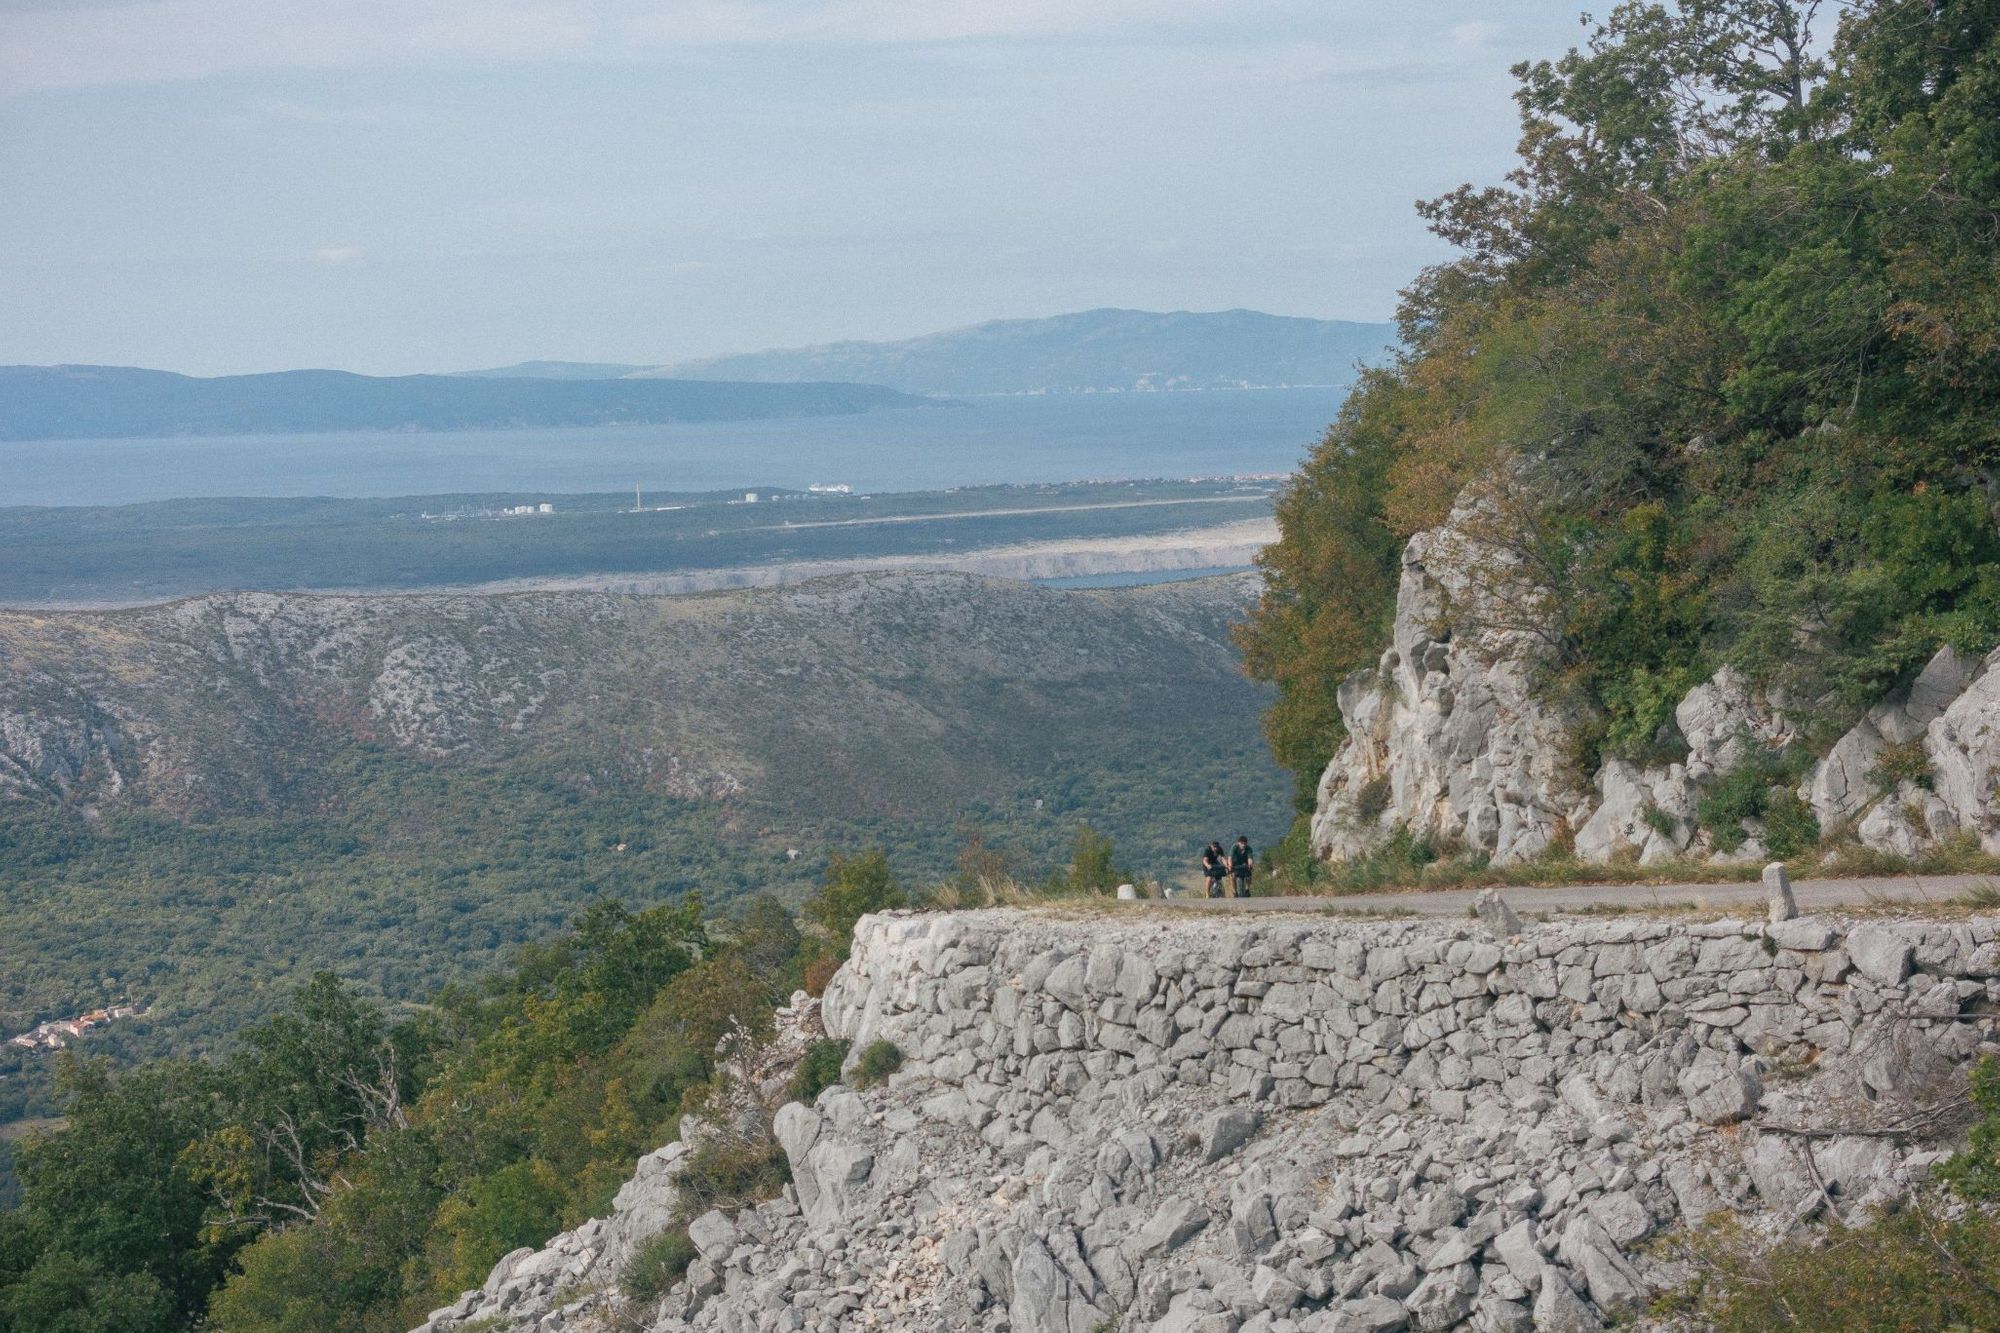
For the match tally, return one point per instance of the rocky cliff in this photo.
(1300, 1124)
(1455, 735)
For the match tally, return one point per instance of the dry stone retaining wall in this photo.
(1296, 1125)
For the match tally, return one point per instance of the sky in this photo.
(395, 186)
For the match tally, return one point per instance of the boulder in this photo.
(1046, 1298)
(1720, 1093)
(1171, 1226)
(1883, 954)
(1558, 1309)
(714, 1235)
(1498, 918)
(1369, 1314)
(1226, 1129)
(1589, 1249)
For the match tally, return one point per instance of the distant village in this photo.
(55, 1035)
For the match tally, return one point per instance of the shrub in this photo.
(877, 1063)
(1659, 821)
(1294, 866)
(1723, 807)
(1371, 798)
(658, 1263)
(1975, 1173)
(1758, 788)
(854, 887)
(818, 972)
(1895, 764)
(1400, 860)
(819, 1069)
(732, 1172)
(1092, 868)
(1912, 1269)
(1790, 827)
(1641, 713)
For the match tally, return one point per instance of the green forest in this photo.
(423, 875)
(346, 1169)
(1722, 360)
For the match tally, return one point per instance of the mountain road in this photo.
(1813, 895)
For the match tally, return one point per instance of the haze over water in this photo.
(987, 440)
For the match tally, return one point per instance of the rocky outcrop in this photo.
(1951, 715)
(1300, 1125)
(1457, 736)
(1452, 734)
(1651, 810)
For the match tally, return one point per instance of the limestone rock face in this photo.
(1652, 810)
(1963, 745)
(1454, 735)
(1839, 788)
(1296, 1125)
(1952, 710)
(1450, 736)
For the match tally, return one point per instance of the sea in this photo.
(965, 442)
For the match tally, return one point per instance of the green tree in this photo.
(112, 1194)
(69, 1293)
(854, 887)
(1093, 865)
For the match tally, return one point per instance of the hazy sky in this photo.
(401, 185)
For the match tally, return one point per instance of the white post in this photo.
(1778, 892)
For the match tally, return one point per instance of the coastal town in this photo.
(58, 1033)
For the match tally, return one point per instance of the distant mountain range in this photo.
(555, 370)
(1095, 351)
(84, 402)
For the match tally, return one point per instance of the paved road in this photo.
(1814, 895)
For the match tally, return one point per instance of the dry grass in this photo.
(1843, 859)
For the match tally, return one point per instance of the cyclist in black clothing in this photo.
(1213, 866)
(1241, 864)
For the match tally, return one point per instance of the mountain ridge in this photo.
(1101, 350)
(113, 402)
(208, 702)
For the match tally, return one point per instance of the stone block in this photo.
(1883, 954)
(1226, 1129)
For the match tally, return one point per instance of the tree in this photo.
(68, 1293)
(111, 1197)
(311, 1085)
(1092, 865)
(854, 887)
